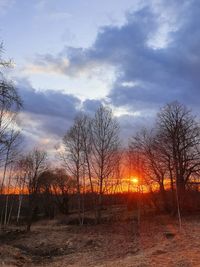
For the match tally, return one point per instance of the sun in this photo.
(134, 180)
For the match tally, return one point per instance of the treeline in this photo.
(168, 156)
(94, 166)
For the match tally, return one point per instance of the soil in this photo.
(158, 242)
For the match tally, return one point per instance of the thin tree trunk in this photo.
(5, 169)
(9, 216)
(100, 201)
(164, 197)
(19, 208)
(6, 210)
(178, 207)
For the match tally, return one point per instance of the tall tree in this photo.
(180, 135)
(156, 168)
(33, 165)
(74, 159)
(10, 104)
(105, 140)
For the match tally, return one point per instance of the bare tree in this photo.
(156, 168)
(105, 140)
(86, 137)
(10, 104)
(11, 151)
(33, 165)
(74, 159)
(181, 139)
(12, 146)
(63, 186)
(21, 177)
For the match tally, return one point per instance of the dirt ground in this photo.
(53, 243)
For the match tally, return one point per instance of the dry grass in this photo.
(111, 244)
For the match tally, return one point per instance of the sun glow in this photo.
(134, 180)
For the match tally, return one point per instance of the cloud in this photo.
(131, 124)
(156, 59)
(48, 102)
(72, 62)
(147, 75)
(91, 105)
(43, 131)
(155, 55)
(47, 64)
(46, 116)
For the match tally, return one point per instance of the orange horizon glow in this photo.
(134, 179)
(127, 183)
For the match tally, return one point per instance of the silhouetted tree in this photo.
(105, 141)
(74, 159)
(33, 165)
(63, 187)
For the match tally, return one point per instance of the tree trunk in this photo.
(19, 208)
(164, 197)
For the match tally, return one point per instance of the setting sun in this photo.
(134, 180)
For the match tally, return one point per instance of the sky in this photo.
(71, 55)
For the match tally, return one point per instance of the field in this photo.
(113, 243)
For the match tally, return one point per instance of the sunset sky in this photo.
(70, 55)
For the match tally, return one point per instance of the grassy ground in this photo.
(114, 243)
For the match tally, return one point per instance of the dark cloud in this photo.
(91, 105)
(146, 76)
(131, 124)
(161, 75)
(47, 115)
(154, 76)
(48, 102)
